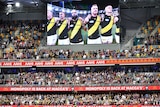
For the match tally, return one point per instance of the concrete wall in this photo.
(23, 16)
(85, 47)
(133, 18)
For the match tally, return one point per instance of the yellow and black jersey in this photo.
(106, 26)
(62, 29)
(93, 27)
(51, 27)
(75, 27)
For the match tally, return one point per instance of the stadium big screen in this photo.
(96, 24)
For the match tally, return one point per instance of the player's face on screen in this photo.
(61, 15)
(94, 10)
(74, 13)
(49, 14)
(108, 10)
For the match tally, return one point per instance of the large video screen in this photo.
(68, 26)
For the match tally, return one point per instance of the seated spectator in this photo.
(81, 99)
(105, 76)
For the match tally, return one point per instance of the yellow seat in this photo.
(159, 30)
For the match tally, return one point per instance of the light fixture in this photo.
(9, 5)
(68, 11)
(7, 13)
(84, 12)
(36, 4)
(56, 9)
(17, 4)
(80, 12)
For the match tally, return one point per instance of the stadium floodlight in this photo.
(17, 4)
(9, 5)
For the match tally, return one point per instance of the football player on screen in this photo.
(116, 32)
(106, 25)
(62, 31)
(93, 21)
(76, 25)
(51, 27)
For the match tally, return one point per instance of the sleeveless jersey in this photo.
(75, 27)
(62, 29)
(93, 27)
(106, 26)
(51, 27)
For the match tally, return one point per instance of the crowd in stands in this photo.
(146, 35)
(21, 34)
(150, 24)
(134, 52)
(25, 37)
(81, 99)
(75, 76)
(153, 39)
(4, 41)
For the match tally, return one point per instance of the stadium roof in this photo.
(39, 5)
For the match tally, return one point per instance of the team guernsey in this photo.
(75, 27)
(62, 29)
(51, 32)
(93, 27)
(106, 26)
(51, 27)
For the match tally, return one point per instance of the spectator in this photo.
(81, 99)
(107, 76)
